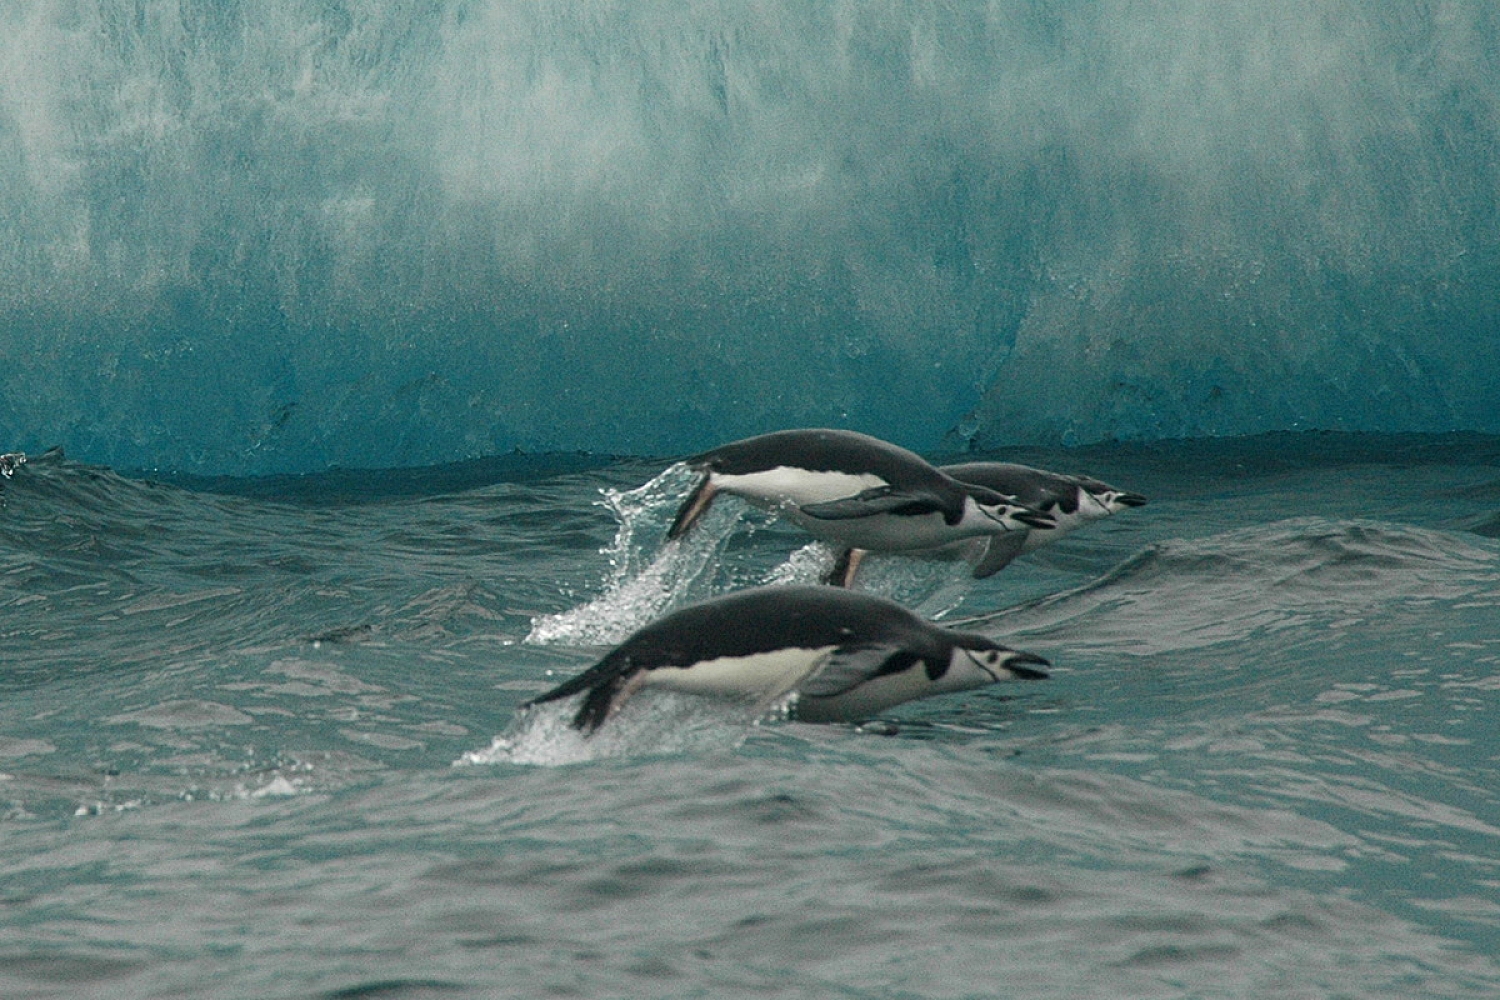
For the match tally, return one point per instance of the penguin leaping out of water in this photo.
(1070, 501)
(845, 656)
(852, 490)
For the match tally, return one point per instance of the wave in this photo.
(1187, 594)
(103, 573)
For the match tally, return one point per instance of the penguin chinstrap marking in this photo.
(1070, 501)
(851, 490)
(844, 655)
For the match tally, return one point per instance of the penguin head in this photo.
(1006, 511)
(1116, 500)
(977, 660)
(1097, 499)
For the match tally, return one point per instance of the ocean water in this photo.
(258, 736)
(258, 739)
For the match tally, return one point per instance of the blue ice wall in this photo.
(287, 234)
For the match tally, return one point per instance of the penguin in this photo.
(845, 656)
(1070, 501)
(851, 490)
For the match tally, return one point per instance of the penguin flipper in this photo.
(878, 500)
(850, 666)
(1002, 549)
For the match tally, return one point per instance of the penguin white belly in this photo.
(868, 699)
(756, 676)
(786, 485)
(886, 532)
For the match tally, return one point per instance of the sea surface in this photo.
(259, 738)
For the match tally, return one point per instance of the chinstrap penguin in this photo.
(1070, 501)
(852, 490)
(846, 656)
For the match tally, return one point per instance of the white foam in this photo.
(809, 564)
(653, 722)
(646, 578)
(278, 787)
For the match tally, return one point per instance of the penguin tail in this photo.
(596, 707)
(605, 687)
(602, 684)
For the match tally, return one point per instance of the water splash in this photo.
(932, 588)
(654, 722)
(809, 564)
(647, 578)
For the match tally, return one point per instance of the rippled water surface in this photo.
(258, 738)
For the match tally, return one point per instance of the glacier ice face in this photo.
(247, 238)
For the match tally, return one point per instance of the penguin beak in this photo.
(1033, 518)
(1026, 666)
(1007, 511)
(1003, 509)
(1130, 500)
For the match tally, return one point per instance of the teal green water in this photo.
(260, 742)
